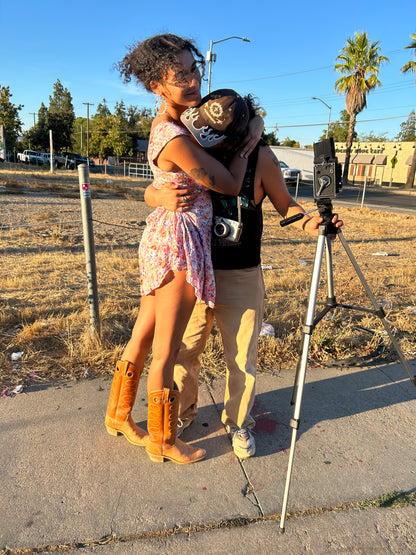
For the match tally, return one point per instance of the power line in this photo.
(280, 75)
(326, 123)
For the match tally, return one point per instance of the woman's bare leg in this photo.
(142, 335)
(174, 302)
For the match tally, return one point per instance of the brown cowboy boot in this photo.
(118, 419)
(162, 423)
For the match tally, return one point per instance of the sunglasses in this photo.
(183, 79)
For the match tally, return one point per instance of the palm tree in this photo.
(411, 66)
(360, 62)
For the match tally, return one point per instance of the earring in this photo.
(161, 106)
(158, 103)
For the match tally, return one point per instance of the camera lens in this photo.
(221, 229)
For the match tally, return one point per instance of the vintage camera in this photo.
(327, 176)
(227, 229)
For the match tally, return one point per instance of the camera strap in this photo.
(239, 209)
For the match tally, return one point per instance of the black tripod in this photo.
(326, 229)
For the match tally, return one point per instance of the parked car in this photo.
(78, 159)
(29, 157)
(46, 157)
(9, 156)
(290, 175)
(59, 161)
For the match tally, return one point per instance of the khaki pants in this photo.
(238, 313)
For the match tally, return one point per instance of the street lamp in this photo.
(329, 116)
(212, 56)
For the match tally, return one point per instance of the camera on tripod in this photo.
(327, 175)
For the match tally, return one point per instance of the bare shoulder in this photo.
(267, 156)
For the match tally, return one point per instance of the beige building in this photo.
(386, 164)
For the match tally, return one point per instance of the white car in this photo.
(290, 174)
(29, 157)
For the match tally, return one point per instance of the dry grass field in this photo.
(44, 316)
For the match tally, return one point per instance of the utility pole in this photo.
(34, 117)
(88, 104)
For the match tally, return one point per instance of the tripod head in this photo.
(325, 211)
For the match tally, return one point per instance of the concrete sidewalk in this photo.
(66, 482)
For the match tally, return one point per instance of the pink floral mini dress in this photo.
(177, 240)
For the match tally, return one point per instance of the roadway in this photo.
(403, 201)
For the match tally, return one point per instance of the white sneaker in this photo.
(244, 445)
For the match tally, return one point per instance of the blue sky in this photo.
(290, 57)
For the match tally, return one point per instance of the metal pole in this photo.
(51, 149)
(329, 115)
(209, 66)
(364, 188)
(297, 186)
(210, 55)
(329, 119)
(89, 249)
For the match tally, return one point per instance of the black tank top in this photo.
(227, 255)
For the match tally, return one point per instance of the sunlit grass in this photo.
(44, 310)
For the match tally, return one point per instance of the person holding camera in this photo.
(174, 253)
(239, 302)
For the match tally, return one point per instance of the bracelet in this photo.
(304, 223)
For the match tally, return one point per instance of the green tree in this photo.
(372, 137)
(410, 66)
(118, 141)
(79, 136)
(359, 62)
(290, 142)
(102, 109)
(270, 138)
(339, 129)
(139, 122)
(61, 117)
(9, 117)
(100, 128)
(120, 111)
(116, 134)
(38, 135)
(408, 129)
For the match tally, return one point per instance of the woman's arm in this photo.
(274, 187)
(255, 130)
(181, 153)
(171, 197)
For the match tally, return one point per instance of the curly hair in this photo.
(253, 105)
(150, 60)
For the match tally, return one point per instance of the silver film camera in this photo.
(227, 229)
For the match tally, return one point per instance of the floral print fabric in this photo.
(176, 240)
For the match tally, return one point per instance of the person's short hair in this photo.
(222, 115)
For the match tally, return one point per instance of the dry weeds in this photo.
(43, 307)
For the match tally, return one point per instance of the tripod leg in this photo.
(377, 307)
(330, 303)
(329, 274)
(300, 377)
